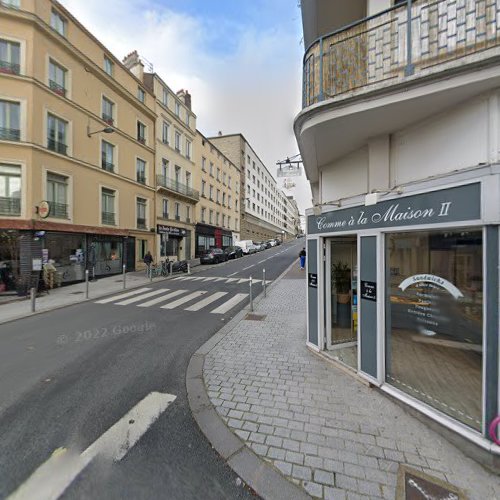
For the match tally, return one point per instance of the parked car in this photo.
(252, 249)
(233, 252)
(213, 256)
(262, 246)
(267, 244)
(243, 244)
(272, 243)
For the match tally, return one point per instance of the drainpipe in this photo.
(410, 67)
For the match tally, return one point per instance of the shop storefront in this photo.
(9, 260)
(405, 293)
(208, 237)
(175, 242)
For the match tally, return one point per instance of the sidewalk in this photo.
(18, 308)
(325, 431)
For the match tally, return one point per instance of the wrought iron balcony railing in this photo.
(141, 223)
(58, 89)
(108, 218)
(108, 119)
(10, 68)
(384, 49)
(58, 210)
(10, 134)
(10, 206)
(108, 166)
(177, 187)
(58, 147)
(141, 178)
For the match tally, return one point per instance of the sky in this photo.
(240, 60)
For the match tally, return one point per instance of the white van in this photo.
(245, 245)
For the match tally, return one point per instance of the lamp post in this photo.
(106, 130)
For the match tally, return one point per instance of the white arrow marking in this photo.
(53, 477)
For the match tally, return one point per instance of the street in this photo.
(67, 376)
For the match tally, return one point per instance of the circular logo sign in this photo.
(44, 209)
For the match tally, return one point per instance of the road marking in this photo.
(221, 279)
(262, 261)
(163, 298)
(208, 279)
(244, 280)
(187, 298)
(180, 278)
(141, 297)
(198, 278)
(245, 268)
(122, 296)
(53, 477)
(229, 275)
(231, 280)
(227, 306)
(205, 302)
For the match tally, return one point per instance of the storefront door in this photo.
(342, 299)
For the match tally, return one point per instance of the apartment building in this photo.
(399, 135)
(218, 213)
(175, 167)
(76, 148)
(262, 202)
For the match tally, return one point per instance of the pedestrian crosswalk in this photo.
(213, 279)
(164, 299)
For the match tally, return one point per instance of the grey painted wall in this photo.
(312, 293)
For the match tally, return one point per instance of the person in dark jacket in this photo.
(148, 260)
(302, 256)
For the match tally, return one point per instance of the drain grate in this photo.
(255, 317)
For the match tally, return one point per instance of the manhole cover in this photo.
(255, 317)
(76, 293)
(415, 485)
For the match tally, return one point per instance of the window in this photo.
(229, 201)
(177, 109)
(10, 121)
(236, 222)
(177, 174)
(165, 133)
(229, 222)
(141, 132)
(177, 211)
(165, 97)
(203, 164)
(188, 119)
(224, 178)
(218, 196)
(142, 249)
(57, 78)
(253, 178)
(211, 220)
(11, 3)
(248, 159)
(217, 216)
(218, 174)
(211, 169)
(164, 168)
(10, 190)
(56, 135)
(212, 193)
(229, 182)
(58, 23)
(10, 57)
(203, 188)
(108, 66)
(165, 208)
(203, 214)
(108, 110)
(141, 171)
(188, 179)
(141, 95)
(107, 156)
(108, 207)
(141, 213)
(188, 149)
(57, 195)
(223, 198)
(178, 142)
(188, 213)
(223, 220)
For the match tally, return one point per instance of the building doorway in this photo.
(342, 299)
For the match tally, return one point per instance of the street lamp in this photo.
(107, 130)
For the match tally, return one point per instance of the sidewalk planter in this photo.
(425, 265)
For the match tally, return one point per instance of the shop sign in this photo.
(36, 264)
(170, 230)
(44, 209)
(313, 280)
(462, 203)
(369, 290)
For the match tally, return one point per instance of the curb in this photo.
(259, 475)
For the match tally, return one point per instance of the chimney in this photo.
(134, 64)
(185, 97)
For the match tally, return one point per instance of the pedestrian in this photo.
(148, 260)
(302, 256)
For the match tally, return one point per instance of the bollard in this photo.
(86, 283)
(171, 264)
(33, 299)
(189, 268)
(251, 296)
(124, 277)
(151, 273)
(264, 281)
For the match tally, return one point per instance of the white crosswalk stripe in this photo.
(163, 298)
(207, 301)
(227, 306)
(141, 297)
(183, 300)
(122, 296)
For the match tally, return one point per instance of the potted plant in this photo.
(341, 275)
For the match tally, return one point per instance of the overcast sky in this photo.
(241, 61)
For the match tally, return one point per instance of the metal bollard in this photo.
(264, 281)
(170, 272)
(86, 283)
(151, 273)
(124, 277)
(251, 295)
(33, 299)
(189, 268)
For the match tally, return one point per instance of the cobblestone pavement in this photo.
(320, 427)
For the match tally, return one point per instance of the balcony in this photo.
(108, 218)
(58, 210)
(141, 223)
(108, 166)
(10, 206)
(177, 187)
(58, 147)
(10, 68)
(10, 134)
(58, 89)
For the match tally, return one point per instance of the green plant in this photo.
(341, 275)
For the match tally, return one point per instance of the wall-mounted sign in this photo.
(170, 230)
(36, 264)
(44, 209)
(462, 203)
(369, 290)
(313, 280)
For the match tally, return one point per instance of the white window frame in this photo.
(108, 62)
(58, 23)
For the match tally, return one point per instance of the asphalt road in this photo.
(69, 375)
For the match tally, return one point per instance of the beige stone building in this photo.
(218, 181)
(175, 167)
(77, 148)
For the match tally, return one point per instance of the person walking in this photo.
(302, 256)
(148, 260)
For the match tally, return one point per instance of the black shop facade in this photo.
(208, 237)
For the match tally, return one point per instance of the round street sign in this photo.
(44, 209)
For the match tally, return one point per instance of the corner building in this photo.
(70, 193)
(400, 138)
